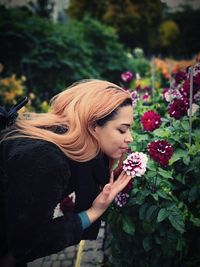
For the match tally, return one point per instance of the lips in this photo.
(123, 149)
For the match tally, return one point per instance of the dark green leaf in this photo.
(162, 215)
(147, 243)
(128, 226)
(151, 213)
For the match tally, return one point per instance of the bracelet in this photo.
(84, 219)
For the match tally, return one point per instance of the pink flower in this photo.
(178, 108)
(150, 121)
(160, 151)
(135, 164)
(169, 94)
(127, 76)
(145, 97)
(135, 98)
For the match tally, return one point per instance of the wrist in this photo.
(94, 214)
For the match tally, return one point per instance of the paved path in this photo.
(86, 254)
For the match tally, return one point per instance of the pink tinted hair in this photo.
(77, 108)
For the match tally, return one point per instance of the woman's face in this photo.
(115, 135)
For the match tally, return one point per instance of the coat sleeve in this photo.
(37, 177)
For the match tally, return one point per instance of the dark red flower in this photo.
(127, 76)
(150, 121)
(178, 108)
(180, 76)
(185, 90)
(161, 151)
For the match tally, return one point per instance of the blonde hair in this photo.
(77, 108)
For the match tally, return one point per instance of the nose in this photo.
(128, 138)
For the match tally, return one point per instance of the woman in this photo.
(45, 157)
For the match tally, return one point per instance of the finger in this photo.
(112, 177)
(124, 183)
(121, 177)
(106, 191)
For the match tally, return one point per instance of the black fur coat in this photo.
(35, 177)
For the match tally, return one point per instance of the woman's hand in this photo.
(105, 198)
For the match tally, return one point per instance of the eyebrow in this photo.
(126, 124)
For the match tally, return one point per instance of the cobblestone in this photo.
(91, 254)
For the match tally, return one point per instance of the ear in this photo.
(93, 128)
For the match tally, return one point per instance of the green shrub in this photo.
(53, 55)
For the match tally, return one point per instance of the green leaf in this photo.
(155, 196)
(186, 160)
(178, 154)
(147, 243)
(162, 215)
(164, 133)
(185, 125)
(150, 213)
(177, 222)
(195, 221)
(142, 137)
(151, 174)
(193, 194)
(142, 211)
(128, 226)
(151, 165)
(164, 173)
(162, 194)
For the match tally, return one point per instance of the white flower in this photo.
(169, 95)
(195, 108)
(135, 164)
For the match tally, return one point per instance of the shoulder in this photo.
(28, 149)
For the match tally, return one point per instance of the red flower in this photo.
(160, 151)
(150, 120)
(178, 108)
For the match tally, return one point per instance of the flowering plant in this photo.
(159, 215)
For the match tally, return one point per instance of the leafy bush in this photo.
(53, 55)
(159, 224)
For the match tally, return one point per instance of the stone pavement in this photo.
(86, 254)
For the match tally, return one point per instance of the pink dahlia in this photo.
(135, 164)
(127, 76)
(150, 121)
(161, 151)
(178, 108)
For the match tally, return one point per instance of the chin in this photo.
(116, 157)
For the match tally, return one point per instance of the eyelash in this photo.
(121, 131)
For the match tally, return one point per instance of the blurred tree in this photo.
(188, 20)
(136, 21)
(168, 36)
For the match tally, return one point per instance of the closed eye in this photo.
(122, 131)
